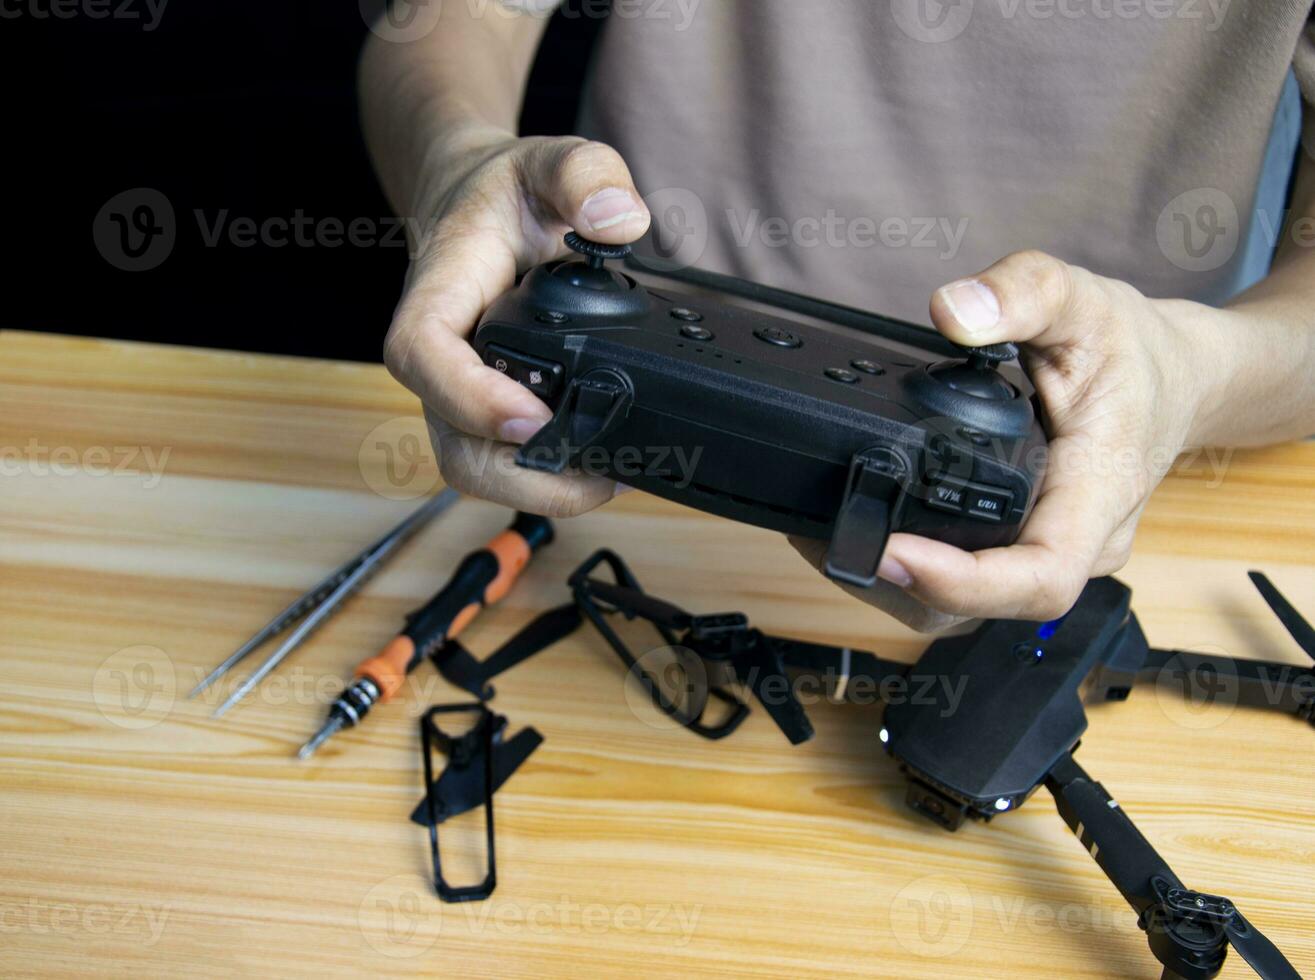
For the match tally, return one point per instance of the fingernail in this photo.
(620, 489)
(893, 572)
(972, 304)
(608, 208)
(519, 430)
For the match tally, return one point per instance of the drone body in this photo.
(1003, 719)
(1018, 710)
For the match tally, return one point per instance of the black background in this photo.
(247, 106)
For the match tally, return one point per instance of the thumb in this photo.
(1025, 297)
(587, 186)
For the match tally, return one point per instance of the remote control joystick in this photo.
(592, 273)
(586, 287)
(978, 375)
(596, 251)
(973, 392)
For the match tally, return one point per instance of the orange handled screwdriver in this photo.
(482, 578)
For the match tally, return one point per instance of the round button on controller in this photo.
(694, 332)
(843, 375)
(688, 315)
(867, 367)
(778, 337)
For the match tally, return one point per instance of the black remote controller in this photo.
(815, 430)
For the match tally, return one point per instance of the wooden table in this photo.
(159, 504)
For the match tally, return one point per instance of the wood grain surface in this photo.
(159, 504)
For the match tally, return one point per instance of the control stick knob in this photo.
(596, 251)
(978, 376)
(973, 392)
(585, 286)
(991, 355)
(592, 273)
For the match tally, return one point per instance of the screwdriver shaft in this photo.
(350, 584)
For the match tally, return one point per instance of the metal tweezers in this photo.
(322, 601)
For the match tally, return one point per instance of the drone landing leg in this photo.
(1189, 932)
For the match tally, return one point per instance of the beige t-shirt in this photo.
(868, 151)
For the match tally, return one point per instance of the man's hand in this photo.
(503, 207)
(1120, 385)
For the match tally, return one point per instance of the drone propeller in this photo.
(1188, 931)
(1292, 621)
(1254, 946)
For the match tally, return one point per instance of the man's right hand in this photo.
(501, 208)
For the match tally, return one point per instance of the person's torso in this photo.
(868, 152)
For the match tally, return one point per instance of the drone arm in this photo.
(851, 670)
(1126, 857)
(1189, 932)
(1253, 683)
(761, 663)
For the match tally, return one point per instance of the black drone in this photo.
(1003, 719)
